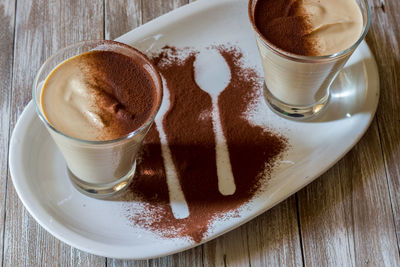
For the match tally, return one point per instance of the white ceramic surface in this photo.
(98, 226)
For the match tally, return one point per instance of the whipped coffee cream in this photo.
(98, 95)
(335, 25)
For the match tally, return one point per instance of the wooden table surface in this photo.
(348, 216)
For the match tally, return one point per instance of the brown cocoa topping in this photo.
(189, 131)
(123, 89)
(285, 24)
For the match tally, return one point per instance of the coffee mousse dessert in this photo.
(102, 102)
(291, 34)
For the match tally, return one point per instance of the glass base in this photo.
(295, 112)
(102, 190)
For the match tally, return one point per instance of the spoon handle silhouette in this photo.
(177, 199)
(226, 180)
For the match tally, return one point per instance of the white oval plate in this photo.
(97, 226)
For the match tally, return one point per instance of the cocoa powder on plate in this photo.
(189, 131)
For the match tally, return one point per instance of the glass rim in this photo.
(302, 58)
(158, 84)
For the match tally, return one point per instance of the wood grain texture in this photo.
(384, 40)
(191, 257)
(274, 238)
(7, 12)
(156, 8)
(231, 249)
(271, 239)
(42, 27)
(121, 16)
(346, 217)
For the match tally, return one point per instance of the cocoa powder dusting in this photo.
(123, 89)
(189, 131)
(285, 24)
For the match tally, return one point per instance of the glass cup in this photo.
(98, 168)
(297, 86)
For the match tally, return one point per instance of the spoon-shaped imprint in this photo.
(177, 200)
(212, 75)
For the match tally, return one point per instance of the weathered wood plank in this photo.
(271, 239)
(274, 238)
(384, 39)
(42, 27)
(127, 263)
(231, 249)
(345, 216)
(7, 14)
(192, 257)
(156, 8)
(121, 16)
(326, 232)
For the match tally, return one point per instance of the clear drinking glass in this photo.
(297, 86)
(98, 168)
